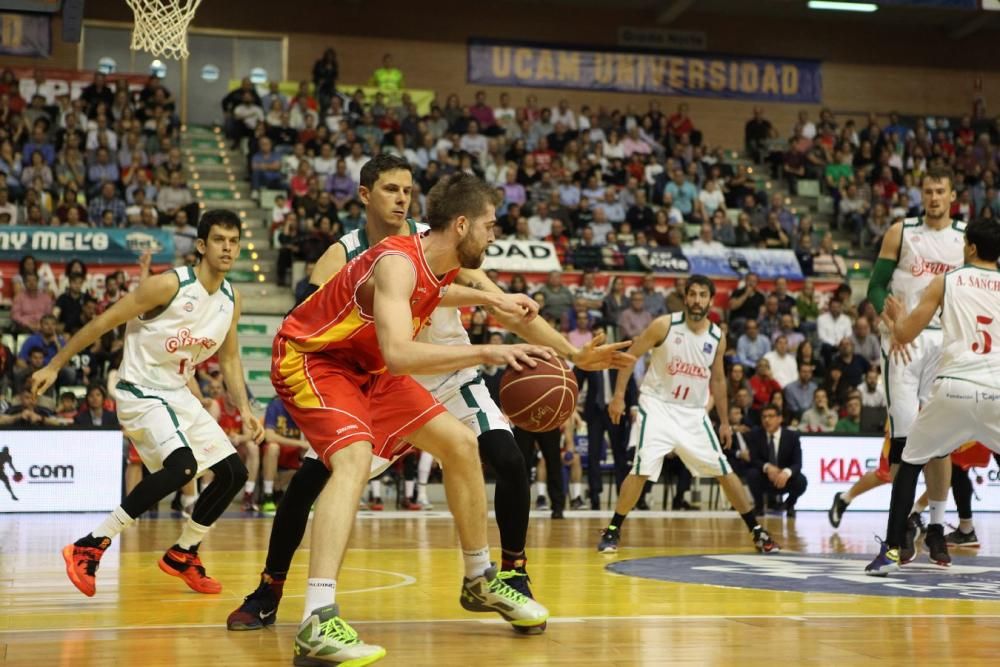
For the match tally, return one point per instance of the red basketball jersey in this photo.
(338, 319)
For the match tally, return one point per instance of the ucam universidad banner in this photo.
(697, 75)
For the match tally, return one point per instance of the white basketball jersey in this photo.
(445, 328)
(680, 367)
(162, 352)
(923, 254)
(970, 317)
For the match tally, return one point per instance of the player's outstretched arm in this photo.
(394, 282)
(906, 327)
(232, 373)
(651, 336)
(151, 294)
(594, 356)
(519, 306)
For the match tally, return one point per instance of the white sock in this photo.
(477, 561)
(376, 487)
(424, 468)
(937, 511)
(192, 534)
(319, 593)
(249, 487)
(422, 493)
(965, 526)
(846, 497)
(540, 488)
(268, 487)
(188, 501)
(575, 490)
(408, 487)
(114, 523)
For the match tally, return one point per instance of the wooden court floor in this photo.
(400, 589)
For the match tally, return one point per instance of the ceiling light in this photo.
(866, 7)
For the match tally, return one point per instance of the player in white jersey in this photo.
(965, 400)
(174, 321)
(913, 252)
(684, 371)
(385, 188)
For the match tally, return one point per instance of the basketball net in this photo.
(161, 26)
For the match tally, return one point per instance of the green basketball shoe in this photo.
(326, 639)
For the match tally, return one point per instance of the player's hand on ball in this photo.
(516, 355)
(596, 355)
(520, 306)
(616, 408)
(42, 379)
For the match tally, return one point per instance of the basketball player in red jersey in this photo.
(341, 364)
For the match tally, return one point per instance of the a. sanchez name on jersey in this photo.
(161, 352)
(923, 254)
(681, 365)
(970, 313)
(445, 327)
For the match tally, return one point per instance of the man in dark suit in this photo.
(775, 462)
(95, 414)
(600, 388)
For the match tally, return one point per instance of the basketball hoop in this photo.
(161, 26)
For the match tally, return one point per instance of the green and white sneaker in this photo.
(488, 592)
(326, 639)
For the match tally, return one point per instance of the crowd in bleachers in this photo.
(873, 170)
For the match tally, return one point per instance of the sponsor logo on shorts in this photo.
(349, 427)
(967, 579)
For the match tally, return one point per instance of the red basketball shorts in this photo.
(335, 406)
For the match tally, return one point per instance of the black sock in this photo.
(293, 514)
(617, 520)
(750, 520)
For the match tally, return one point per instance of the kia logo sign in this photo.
(845, 470)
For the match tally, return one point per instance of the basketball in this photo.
(18, 477)
(541, 398)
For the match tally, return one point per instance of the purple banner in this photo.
(25, 35)
(696, 75)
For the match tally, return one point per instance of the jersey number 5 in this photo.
(987, 343)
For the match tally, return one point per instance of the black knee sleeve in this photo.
(512, 500)
(230, 476)
(896, 447)
(293, 514)
(179, 468)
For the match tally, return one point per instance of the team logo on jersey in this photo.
(185, 339)
(707, 349)
(188, 307)
(678, 340)
(922, 266)
(679, 367)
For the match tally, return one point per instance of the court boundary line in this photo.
(555, 619)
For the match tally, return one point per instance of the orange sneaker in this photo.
(82, 563)
(187, 566)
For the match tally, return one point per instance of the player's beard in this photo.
(469, 256)
(696, 315)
